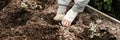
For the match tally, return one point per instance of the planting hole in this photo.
(20, 18)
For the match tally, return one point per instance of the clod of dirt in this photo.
(86, 19)
(99, 21)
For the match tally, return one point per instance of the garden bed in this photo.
(33, 20)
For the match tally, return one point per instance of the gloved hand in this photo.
(69, 17)
(72, 13)
(60, 13)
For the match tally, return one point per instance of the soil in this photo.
(21, 22)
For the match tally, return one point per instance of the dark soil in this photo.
(26, 23)
(3, 3)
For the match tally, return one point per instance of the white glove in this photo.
(70, 16)
(60, 13)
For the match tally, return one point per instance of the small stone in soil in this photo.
(99, 21)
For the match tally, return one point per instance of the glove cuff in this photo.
(61, 9)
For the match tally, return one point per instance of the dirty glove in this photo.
(72, 13)
(60, 13)
(69, 17)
